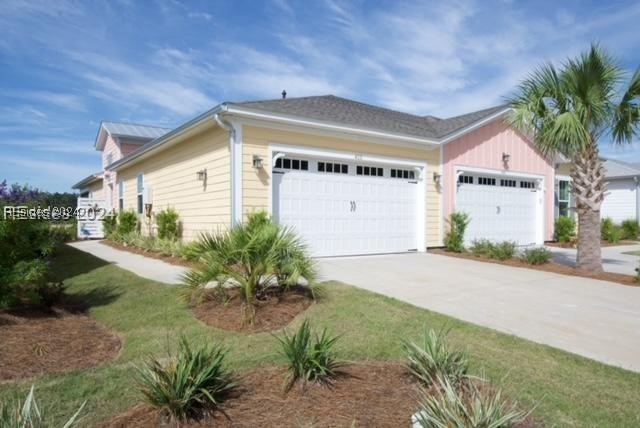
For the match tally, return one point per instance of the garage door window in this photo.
(527, 184)
(292, 164)
(486, 181)
(466, 179)
(507, 183)
(370, 171)
(403, 173)
(337, 168)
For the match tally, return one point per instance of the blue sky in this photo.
(65, 65)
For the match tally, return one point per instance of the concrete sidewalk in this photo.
(595, 319)
(146, 267)
(613, 258)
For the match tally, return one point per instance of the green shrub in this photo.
(565, 229)
(504, 250)
(252, 257)
(432, 359)
(454, 239)
(609, 231)
(481, 247)
(310, 357)
(110, 224)
(536, 256)
(167, 221)
(468, 407)
(189, 385)
(630, 229)
(127, 222)
(61, 233)
(29, 415)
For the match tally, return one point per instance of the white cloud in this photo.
(68, 101)
(200, 15)
(49, 145)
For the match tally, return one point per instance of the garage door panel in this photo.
(318, 206)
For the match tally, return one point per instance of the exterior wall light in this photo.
(437, 177)
(202, 175)
(506, 157)
(257, 162)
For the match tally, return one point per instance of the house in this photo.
(622, 200)
(351, 178)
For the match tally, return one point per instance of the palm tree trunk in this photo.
(588, 186)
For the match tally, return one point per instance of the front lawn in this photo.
(567, 389)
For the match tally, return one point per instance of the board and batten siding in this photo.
(256, 184)
(483, 148)
(171, 176)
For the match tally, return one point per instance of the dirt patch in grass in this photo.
(272, 312)
(178, 261)
(38, 341)
(367, 394)
(547, 267)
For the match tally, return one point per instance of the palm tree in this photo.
(567, 110)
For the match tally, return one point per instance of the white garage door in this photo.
(620, 201)
(343, 208)
(501, 208)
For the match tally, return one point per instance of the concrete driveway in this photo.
(613, 258)
(595, 319)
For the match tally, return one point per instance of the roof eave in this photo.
(473, 126)
(86, 181)
(330, 126)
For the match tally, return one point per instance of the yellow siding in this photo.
(171, 176)
(95, 189)
(256, 183)
(563, 169)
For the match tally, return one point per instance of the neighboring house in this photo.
(622, 200)
(351, 178)
(115, 141)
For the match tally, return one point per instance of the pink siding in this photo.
(117, 148)
(483, 148)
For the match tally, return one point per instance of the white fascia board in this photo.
(268, 117)
(459, 133)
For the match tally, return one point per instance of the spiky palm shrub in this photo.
(433, 359)
(467, 407)
(192, 383)
(252, 257)
(29, 415)
(310, 356)
(568, 110)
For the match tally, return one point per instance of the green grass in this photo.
(568, 390)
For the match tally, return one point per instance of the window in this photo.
(121, 195)
(507, 183)
(564, 197)
(140, 190)
(294, 164)
(403, 173)
(466, 179)
(369, 170)
(527, 184)
(336, 168)
(486, 181)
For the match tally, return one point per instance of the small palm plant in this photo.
(29, 415)
(252, 257)
(451, 407)
(432, 359)
(310, 356)
(191, 384)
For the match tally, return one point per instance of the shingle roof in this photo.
(87, 180)
(329, 108)
(619, 169)
(121, 129)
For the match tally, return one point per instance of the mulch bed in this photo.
(272, 312)
(368, 394)
(39, 341)
(547, 267)
(178, 261)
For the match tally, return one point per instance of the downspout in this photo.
(235, 150)
(636, 180)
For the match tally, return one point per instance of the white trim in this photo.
(441, 189)
(329, 126)
(421, 237)
(473, 126)
(563, 177)
(121, 184)
(235, 146)
(542, 190)
(140, 193)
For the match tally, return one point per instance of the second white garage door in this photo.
(501, 208)
(342, 208)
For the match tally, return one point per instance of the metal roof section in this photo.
(88, 180)
(132, 131)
